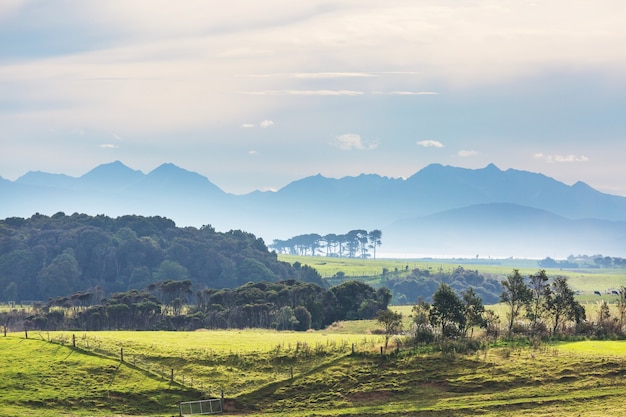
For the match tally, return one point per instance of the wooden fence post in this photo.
(74, 341)
(172, 375)
(121, 354)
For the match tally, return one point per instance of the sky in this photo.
(254, 95)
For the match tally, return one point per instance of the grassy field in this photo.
(586, 281)
(335, 372)
(38, 378)
(42, 378)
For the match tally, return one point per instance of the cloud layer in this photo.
(200, 85)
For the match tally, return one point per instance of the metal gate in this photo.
(200, 407)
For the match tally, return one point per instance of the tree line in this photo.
(354, 244)
(537, 307)
(50, 256)
(584, 261)
(173, 305)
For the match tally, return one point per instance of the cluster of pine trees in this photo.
(354, 244)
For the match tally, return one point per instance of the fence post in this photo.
(172, 375)
(291, 373)
(121, 354)
(353, 348)
(381, 351)
(74, 340)
(5, 331)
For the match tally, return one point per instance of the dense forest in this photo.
(44, 257)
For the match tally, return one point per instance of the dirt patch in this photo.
(368, 397)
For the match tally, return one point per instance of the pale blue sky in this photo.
(254, 95)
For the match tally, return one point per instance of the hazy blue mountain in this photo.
(109, 177)
(438, 210)
(505, 230)
(44, 179)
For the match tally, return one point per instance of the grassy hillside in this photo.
(304, 374)
(504, 381)
(38, 378)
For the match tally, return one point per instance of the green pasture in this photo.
(586, 281)
(235, 361)
(509, 381)
(38, 378)
(270, 373)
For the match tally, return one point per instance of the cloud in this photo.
(466, 153)
(353, 141)
(108, 146)
(560, 158)
(316, 75)
(305, 93)
(263, 125)
(411, 93)
(252, 152)
(430, 144)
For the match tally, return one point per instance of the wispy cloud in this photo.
(560, 158)
(430, 144)
(317, 75)
(305, 93)
(252, 152)
(263, 125)
(353, 141)
(108, 146)
(328, 75)
(466, 153)
(410, 93)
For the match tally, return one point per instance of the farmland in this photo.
(338, 371)
(586, 281)
(265, 373)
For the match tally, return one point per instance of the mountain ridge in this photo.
(317, 204)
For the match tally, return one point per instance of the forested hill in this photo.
(50, 256)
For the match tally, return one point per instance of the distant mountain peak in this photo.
(492, 167)
(115, 168)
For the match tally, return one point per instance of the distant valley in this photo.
(439, 211)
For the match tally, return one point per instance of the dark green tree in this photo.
(515, 295)
(562, 306)
(423, 331)
(447, 311)
(391, 321)
(537, 307)
(474, 310)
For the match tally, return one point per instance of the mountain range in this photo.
(438, 211)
